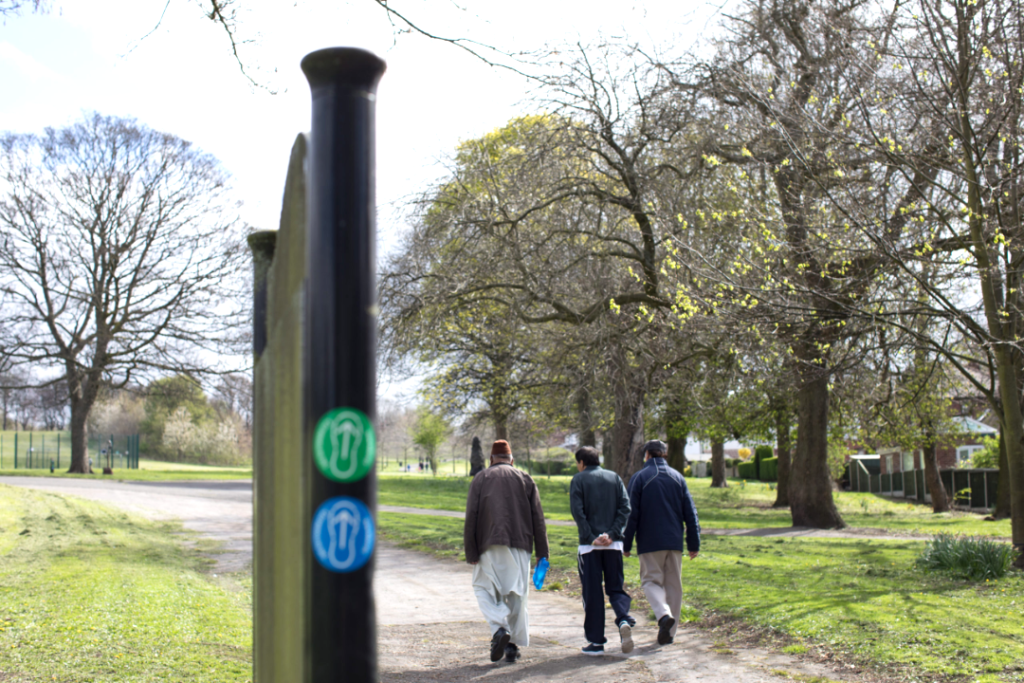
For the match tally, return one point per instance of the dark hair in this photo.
(656, 448)
(588, 456)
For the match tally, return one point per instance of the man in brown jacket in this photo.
(504, 522)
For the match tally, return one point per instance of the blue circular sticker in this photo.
(343, 534)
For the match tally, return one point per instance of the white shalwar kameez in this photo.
(501, 581)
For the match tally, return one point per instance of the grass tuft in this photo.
(967, 557)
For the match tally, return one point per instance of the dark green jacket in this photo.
(599, 504)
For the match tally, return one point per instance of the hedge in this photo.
(747, 470)
(554, 467)
(770, 469)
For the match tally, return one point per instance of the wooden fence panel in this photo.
(281, 553)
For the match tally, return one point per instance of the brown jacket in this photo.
(503, 508)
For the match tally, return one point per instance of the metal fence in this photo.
(42, 450)
(966, 488)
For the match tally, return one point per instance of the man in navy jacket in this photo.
(661, 509)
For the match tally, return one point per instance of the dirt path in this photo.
(431, 630)
(429, 624)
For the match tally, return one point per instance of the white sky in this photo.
(182, 79)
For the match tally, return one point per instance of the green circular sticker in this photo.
(344, 445)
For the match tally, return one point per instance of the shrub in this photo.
(687, 471)
(553, 466)
(967, 557)
(770, 469)
(748, 470)
(744, 453)
(987, 456)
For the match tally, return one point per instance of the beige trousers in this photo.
(501, 581)
(660, 577)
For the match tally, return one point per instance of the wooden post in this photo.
(262, 245)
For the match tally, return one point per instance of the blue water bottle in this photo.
(540, 572)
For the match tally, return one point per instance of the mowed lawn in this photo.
(863, 599)
(149, 470)
(88, 593)
(740, 506)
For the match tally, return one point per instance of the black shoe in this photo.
(592, 649)
(499, 641)
(512, 653)
(665, 625)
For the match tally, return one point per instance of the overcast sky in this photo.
(111, 56)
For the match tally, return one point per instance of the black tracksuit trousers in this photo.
(596, 568)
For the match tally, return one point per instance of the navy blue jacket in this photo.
(660, 509)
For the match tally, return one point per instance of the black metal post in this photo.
(340, 367)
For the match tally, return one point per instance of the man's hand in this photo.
(477, 562)
(602, 540)
(693, 556)
(625, 553)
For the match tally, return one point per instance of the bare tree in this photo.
(10, 8)
(234, 392)
(119, 257)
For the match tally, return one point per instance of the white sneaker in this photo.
(626, 634)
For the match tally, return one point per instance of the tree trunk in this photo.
(432, 459)
(783, 444)
(1002, 509)
(940, 501)
(628, 433)
(586, 426)
(810, 492)
(1014, 442)
(500, 427)
(677, 453)
(79, 438)
(1000, 328)
(718, 480)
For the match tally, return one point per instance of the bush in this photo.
(967, 557)
(987, 456)
(760, 454)
(553, 467)
(770, 469)
(748, 470)
(687, 471)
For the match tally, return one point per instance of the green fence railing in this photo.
(43, 450)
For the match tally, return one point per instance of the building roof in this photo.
(974, 427)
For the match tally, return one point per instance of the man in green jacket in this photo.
(504, 522)
(600, 506)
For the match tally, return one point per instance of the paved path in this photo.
(430, 626)
(219, 510)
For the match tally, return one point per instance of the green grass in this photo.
(88, 593)
(149, 470)
(863, 598)
(735, 507)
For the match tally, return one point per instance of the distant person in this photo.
(661, 509)
(504, 522)
(600, 506)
